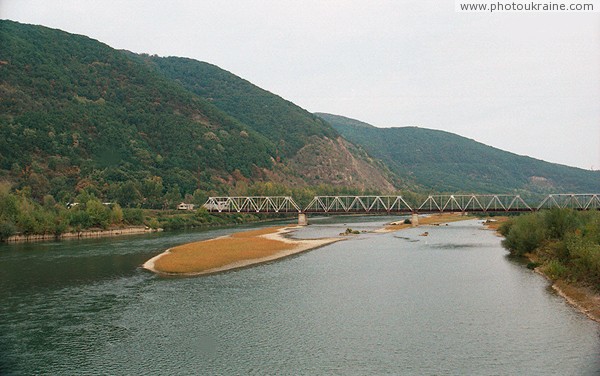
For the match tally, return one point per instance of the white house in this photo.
(184, 206)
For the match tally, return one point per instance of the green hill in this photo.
(77, 115)
(76, 112)
(284, 123)
(441, 161)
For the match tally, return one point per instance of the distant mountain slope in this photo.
(445, 162)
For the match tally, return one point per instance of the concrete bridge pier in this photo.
(302, 219)
(414, 219)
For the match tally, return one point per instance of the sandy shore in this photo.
(231, 252)
(431, 220)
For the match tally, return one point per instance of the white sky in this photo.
(528, 83)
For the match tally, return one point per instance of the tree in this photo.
(99, 214)
(172, 197)
(129, 194)
(116, 215)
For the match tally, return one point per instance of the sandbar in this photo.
(432, 220)
(234, 251)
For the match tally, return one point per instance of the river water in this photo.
(450, 303)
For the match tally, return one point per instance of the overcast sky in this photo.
(528, 83)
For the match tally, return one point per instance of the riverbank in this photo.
(583, 298)
(232, 252)
(134, 230)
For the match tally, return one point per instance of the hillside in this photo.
(445, 162)
(77, 115)
(285, 124)
(305, 145)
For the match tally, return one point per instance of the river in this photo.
(450, 303)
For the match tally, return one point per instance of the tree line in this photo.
(133, 203)
(564, 243)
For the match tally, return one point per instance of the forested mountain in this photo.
(445, 162)
(80, 118)
(288, 126)
(305, 144)
(77, 115)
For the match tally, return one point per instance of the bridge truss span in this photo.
(589, 201)
(256, 204)
(482, 203)
(358, 204)
(474, 203)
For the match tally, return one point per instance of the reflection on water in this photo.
(396, 303)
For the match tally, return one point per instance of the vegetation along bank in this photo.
(564, 245)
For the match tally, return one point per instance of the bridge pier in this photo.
(302, 219)
(414, 219)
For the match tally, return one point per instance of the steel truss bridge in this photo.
(481, 203)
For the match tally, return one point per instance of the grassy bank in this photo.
(564, 245)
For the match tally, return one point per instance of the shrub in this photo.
(554, 269)
(133, 216)
(7, 229)
(524, 235)
(559, 222)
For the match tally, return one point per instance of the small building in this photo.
(184, 206)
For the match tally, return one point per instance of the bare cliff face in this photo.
(339, 163)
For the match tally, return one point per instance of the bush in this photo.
(559, 222)
(79, 219)
(133, 216)
(7, 229)
(554, 269)
(525, 234)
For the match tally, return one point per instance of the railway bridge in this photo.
(442, 203)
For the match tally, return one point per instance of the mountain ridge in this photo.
(443, 161)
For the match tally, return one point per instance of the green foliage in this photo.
(7, 229)
(445, 162)
(526, 234)
(554, 269)
(116, 214)
(559, 223)
(76, 114)
(99, 214)
(79, 219)
(287, 126)
(567, 242)
(133, 216)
